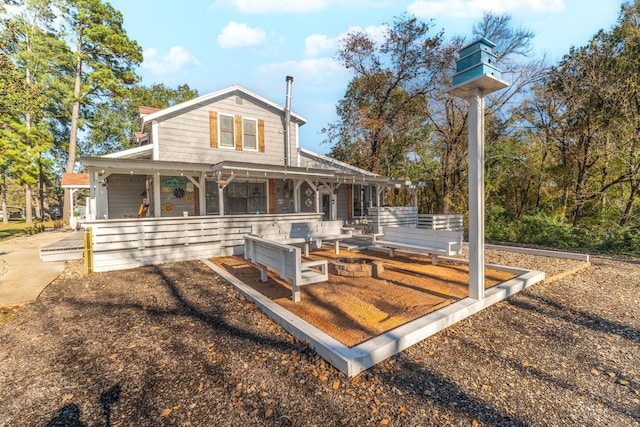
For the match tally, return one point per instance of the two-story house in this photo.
(224, 153)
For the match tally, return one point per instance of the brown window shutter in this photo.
(239, 133)
(272, 197)
(261, 135)
(213, 129)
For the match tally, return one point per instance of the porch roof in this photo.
(253, 170)
(143, 166)
(238, 169)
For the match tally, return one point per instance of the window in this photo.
(249, 134)
(362, 197)
(228, 131)
(227, 134)
(245, 197)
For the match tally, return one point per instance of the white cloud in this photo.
(317, 44)
(277, 6)
(476, 8)
(175, 60)
(240, 35)
(317, 71)
(295, 6)
(377, 33)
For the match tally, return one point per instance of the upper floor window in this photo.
(227, 134)
(249, 133)
(241, 133)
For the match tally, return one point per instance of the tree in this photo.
(37, 53)
(104, 59)
(115, 121)
(397, 113)
(626, 36)
(383, 108)
(585, 85)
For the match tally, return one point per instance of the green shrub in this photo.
(541, 229)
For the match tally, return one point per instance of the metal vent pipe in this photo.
(287, 123)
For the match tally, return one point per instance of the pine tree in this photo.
(103, 62)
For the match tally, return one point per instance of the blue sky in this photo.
(213, 44)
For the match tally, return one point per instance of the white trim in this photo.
(155, 137)
(205, 98)
(131, 152)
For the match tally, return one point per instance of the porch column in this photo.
(202, 191)
(318, 207)
(220, 195)
(297, 183)
(157, 198)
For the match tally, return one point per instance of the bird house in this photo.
(477, 69)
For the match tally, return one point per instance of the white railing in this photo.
(392, 216)
(441, 222)
(127, 243)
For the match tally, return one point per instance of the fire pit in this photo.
(355, 267)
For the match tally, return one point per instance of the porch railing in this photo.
(392, 216)
(127, 243)
(441, 222)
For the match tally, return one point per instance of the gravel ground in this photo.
(175, 345)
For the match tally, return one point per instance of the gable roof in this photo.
(176, 109)
(139, 152)
(144, 110)
(332, 163)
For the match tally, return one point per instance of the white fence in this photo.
(441, 222)
(128, 243)
(392, 216)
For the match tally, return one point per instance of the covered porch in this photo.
(135, 188)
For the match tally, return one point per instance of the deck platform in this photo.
(70, 247)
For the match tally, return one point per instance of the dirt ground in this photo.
(355, 309)
(174, 345)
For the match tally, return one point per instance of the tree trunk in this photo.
(628, 210)
(583, 172)
(28, 209)
(41, 201)
(5, 214)
(75, 116)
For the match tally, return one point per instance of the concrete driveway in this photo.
(22, 275)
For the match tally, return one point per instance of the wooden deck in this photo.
(70, 247)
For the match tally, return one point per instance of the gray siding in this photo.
(125, 195)
(185, 137)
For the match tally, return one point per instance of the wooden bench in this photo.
(304, 233)
(330, 230)
(433, 242)
(282, 234)
(285, 259)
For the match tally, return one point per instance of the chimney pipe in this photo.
(287, 123)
